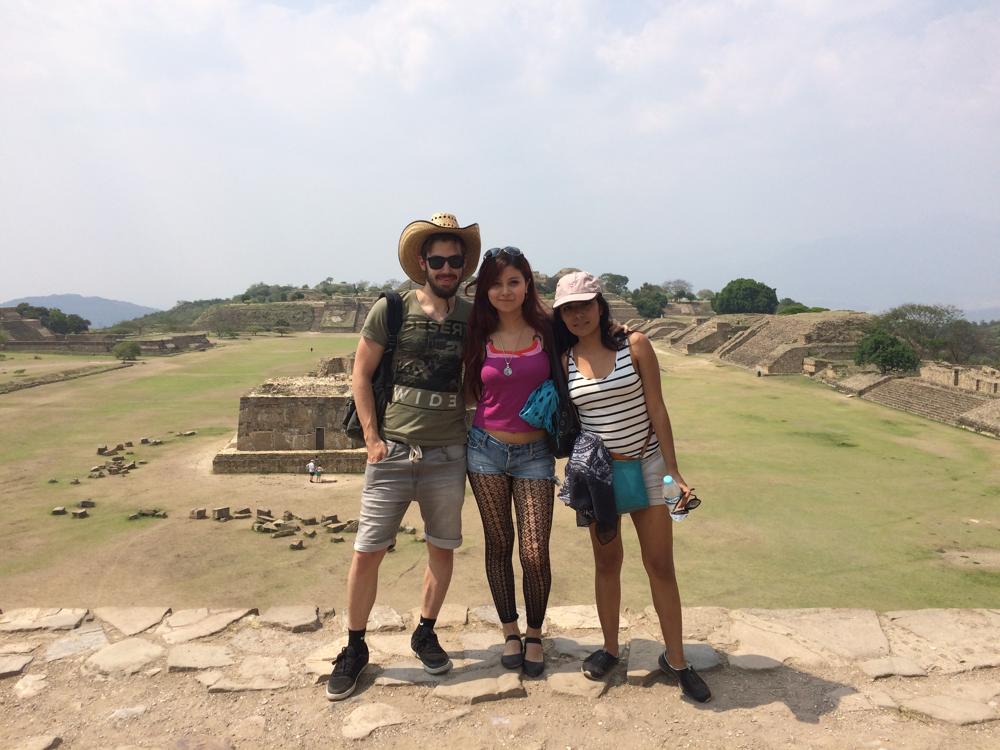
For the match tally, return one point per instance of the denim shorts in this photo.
(487, 455)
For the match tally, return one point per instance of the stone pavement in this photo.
(153, 677)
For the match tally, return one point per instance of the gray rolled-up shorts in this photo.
(433, 477)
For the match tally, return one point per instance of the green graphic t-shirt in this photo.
(427, 406)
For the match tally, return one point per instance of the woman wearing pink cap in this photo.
(507, 356)
(614, 383)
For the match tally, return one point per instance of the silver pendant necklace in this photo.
(509, 356)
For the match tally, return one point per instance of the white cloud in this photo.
(229, 137)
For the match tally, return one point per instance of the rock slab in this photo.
(131, 620)
(578, 617)
(41, 619)
(40, 742)
(29, 686)
(366, 719)
(950, 709)
(14, 664)
(191, 656)
(481, 687)
(298, 619)
(404, 674)
(89, 637)
(892, 666)
(189, 624)
(575, 684)
(127, 656)
(643, 660)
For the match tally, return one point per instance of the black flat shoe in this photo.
(690, 681)
(533, 668)
(513, 661)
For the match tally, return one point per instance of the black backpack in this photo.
(382, 377)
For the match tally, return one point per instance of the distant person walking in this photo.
(507, 356)
(614, 383)
(311, 468)
(419, 452)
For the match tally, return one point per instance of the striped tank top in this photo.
(613, 407)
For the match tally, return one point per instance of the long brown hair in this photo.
(483, 318)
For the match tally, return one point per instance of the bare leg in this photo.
(655, 530)
(608, 585)
(437, 578)
(362, 586)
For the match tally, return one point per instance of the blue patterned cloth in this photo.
(588, 489)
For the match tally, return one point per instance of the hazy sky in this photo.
(846, 152)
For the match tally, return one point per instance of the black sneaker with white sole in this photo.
(598, 664)
(424, 643)
(691, 683)
(350, 663)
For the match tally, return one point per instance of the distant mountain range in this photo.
(99, 311)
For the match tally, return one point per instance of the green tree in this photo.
(942, 332)
(706, 294)
(887, 352)
(615, 283)
(793, 309)
(282, 326)
(745, 296)
(649, 300)
(924, 327)
(77, 324)
(678, 288)
(127, 351)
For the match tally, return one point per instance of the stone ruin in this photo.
(285, 422)
(942, 392)
(19, 328)
(773, 344)
(339, 314)
(26, 334)
(822, 345)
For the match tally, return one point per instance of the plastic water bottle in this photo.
(671, 494)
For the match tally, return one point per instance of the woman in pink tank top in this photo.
(507, 356)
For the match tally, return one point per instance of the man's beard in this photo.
(443, 292)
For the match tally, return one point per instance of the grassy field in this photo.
(24, 367)
(810, 498)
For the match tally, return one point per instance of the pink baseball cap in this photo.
(578, 286)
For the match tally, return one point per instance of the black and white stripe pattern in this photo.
(613, 407)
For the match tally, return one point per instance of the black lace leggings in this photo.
(533, 501)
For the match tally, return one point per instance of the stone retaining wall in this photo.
(280, 423)
(342, 461)
(982, 380)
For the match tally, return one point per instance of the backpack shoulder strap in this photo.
(394, 318)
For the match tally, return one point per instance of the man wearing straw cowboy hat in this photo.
(420, 453)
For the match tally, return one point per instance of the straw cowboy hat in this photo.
(414, 234)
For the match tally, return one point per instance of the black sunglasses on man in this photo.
(437, 261)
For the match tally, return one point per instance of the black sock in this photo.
(356, 638)
(427, 622)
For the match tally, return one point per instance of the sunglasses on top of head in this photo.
(510, 252)
(437, 262)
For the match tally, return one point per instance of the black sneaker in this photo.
(346, 669)
(424, 643)
(598, 664)
(691, 684)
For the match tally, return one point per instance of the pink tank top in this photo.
(504, 395)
